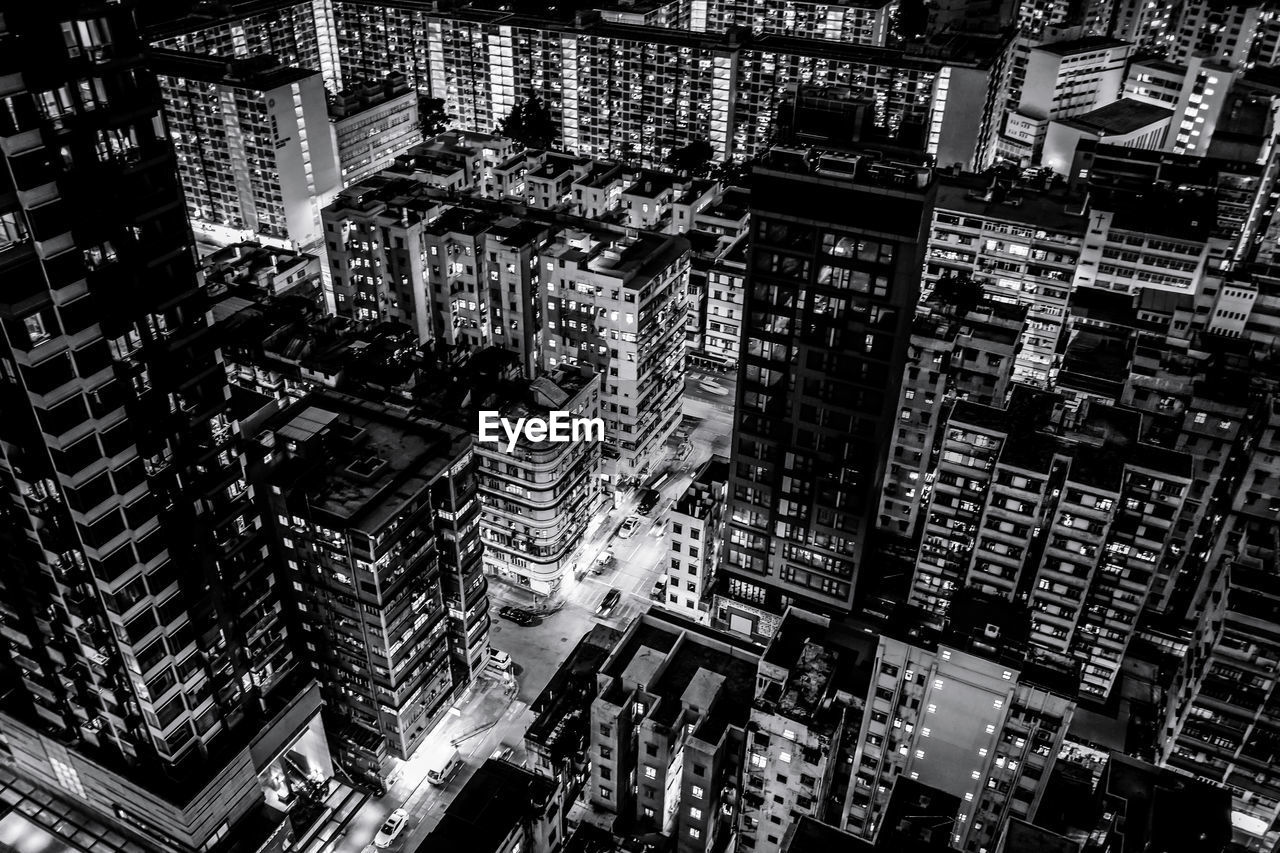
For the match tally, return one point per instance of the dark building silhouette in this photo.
(147, 674)
(832, 281)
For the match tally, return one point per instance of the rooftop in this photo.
(1083, 45)
(261, 73)
(666, 654)
(360, 462)
(810, 835)
(1043, 210)
(1023, 837)
(1119, 117)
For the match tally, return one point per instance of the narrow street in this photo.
(495, 715)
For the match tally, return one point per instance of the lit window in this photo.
(650, 773)
(695, 813)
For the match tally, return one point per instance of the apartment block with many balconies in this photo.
(614, 303)
(255, 155)
(1020, 247)
(373, 510)
(1066, 507)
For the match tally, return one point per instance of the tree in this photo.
(530, 123)
(431, 116)
(692, 158)
(913, 19)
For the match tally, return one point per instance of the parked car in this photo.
(519, 615)
(659, 588)
(648, 500)
(391, 830)
(609, 602)
(499, 659)
(628, 528)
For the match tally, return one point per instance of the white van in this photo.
(443, 770)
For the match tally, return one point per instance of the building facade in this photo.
(613, 301)
(372, 124)
(373, 512)
(539, 496)
(255, 155)
(981, 729)
(817, 383)
(152, 673)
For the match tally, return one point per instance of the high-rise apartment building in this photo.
(538, 496)
(150, 675)
(377, 517)
(721, 86)
(372, 124)
(971, 714)
(1225, 33)
(863, 22)
(1020, 248)
(726, 281)
(462, 276)
(1068, 508)
(1195, 89)
(833, 275)
(958, 351)
(667, 729)
(614, 302)
(293, 31)
(255, 155)
(1220, 714)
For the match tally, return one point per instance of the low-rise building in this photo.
(558, 741)
(265, 271)
(1128, 122)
